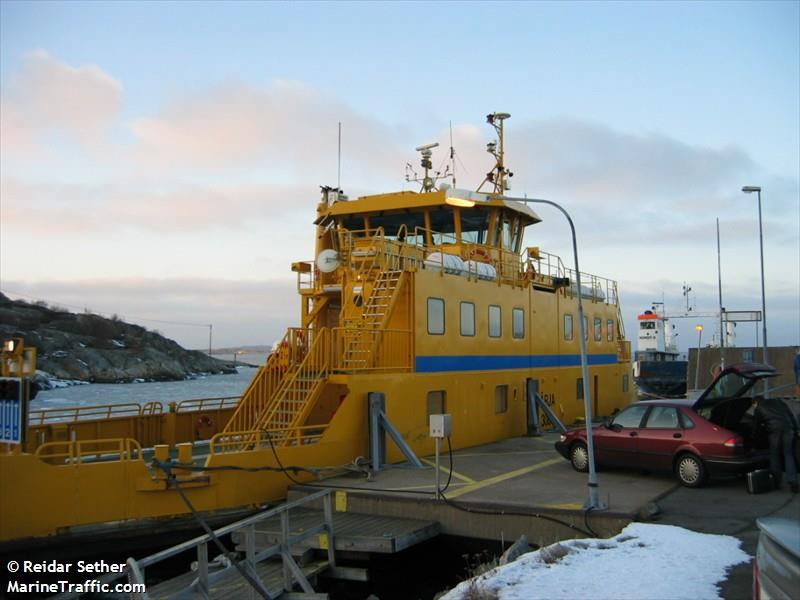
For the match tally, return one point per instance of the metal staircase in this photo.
(363, 332)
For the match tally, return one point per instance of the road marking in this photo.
(503, 477)
(566, 505)
(446, 470)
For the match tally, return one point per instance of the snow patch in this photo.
(643, 561)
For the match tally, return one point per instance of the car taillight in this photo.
(734, 442)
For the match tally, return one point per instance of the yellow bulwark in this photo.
(430, 298)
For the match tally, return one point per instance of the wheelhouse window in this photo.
(610, 330)
(435, 316)
(518, 323)
(598, 329)
(474, 225)
(467, 319)
(647, 325)
(630, 417)
(500, 399)
(495, 321)
(568, 327)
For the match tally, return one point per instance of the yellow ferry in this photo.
(426, 301)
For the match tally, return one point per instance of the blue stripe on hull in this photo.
(435, 364)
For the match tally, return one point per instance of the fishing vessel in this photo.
(416, 303)
(659, 368)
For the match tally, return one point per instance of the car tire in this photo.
(690, 470)
(579, 457)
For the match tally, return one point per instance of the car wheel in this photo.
(579, 457)
(690, 471)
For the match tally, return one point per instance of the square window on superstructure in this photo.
(610, 330)
(495, 321)
(518, 323)
(467, 319)
(435, 316)
(568, 327)
(598, 329)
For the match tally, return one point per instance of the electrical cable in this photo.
(255, 583)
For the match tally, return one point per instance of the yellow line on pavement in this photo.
(503, 477)
(446, 470)
(566, 505)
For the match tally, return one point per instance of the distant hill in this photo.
(92, 348)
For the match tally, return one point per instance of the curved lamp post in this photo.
(749, 189)
(699, 330)
(593, 502)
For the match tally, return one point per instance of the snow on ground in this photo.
(644, 561)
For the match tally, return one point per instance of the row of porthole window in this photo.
(598, 328)
(436, 319)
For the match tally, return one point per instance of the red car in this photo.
(711, 435)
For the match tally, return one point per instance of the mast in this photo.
(498, 176)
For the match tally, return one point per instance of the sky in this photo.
(597, 569)
(161, 161)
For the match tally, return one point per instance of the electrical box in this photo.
(440, 426)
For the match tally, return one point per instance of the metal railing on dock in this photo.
(202, 583)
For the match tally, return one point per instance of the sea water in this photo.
(96, 394)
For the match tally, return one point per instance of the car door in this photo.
(616, 443)
(659, 438)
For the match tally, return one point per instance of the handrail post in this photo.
(287, 574)
(202, 569)
(328, 508)
(250, 550)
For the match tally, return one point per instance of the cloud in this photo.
(49, 97)
(287, 123)
(67, 209)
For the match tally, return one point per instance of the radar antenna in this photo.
(428, 181)
(499, 175)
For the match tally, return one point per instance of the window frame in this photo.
(598, 329)
(514, 312)
(610, 330)
(428, 315)
(499, 321)
(461, 306)
(569, 332)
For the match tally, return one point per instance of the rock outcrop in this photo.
(92, 348)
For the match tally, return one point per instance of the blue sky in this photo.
(208, 126)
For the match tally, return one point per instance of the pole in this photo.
(210, 327)
(339, 164)
(593, 502)
(722, 332)
(438, 489)
(763, 296)
(697, 365)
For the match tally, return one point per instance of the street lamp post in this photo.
(699, 330)
(593, 502)
(749, 189)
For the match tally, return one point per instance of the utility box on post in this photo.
(440, 426)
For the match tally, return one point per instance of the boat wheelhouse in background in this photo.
(659, 368)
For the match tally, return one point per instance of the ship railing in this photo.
(262, 387)
(593, 288)
(201, 404)
(78, 452)
(80, 413)
(206, 576)
(259, 439)
(370, 349)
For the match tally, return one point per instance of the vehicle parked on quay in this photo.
(776, 569)
(712, 435)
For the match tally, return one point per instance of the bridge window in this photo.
(568, 327)
(500, 399)
(647, 325)
(598, 329)
(610, 330)
(435, 316)
(474, 225)
(518, 323)
(467, 318)
(495, 322)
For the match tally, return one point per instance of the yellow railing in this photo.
(623, 351)
(261, 389)
(80, 413)
(200, 404)
(257, 439)
(384, 349)
(78, 452)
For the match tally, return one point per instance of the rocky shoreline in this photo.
(89, 348)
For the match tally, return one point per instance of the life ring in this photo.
(481, 253)
(204, 421)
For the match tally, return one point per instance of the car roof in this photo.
(667, 402)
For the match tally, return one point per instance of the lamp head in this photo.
(751, 188)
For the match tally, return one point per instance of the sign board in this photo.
(13, 409)
(742, 315)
